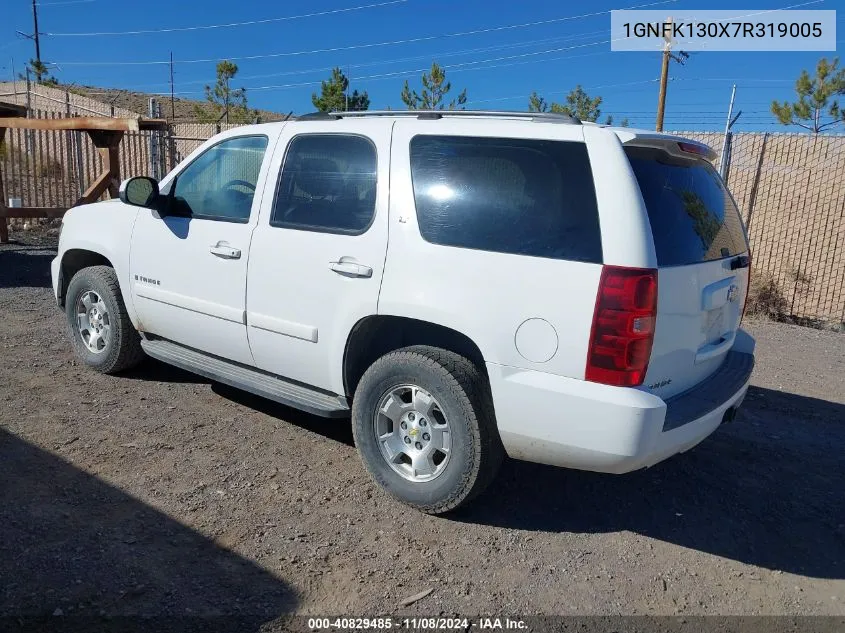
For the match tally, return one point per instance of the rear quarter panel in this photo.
(485, 295)
(625, 228)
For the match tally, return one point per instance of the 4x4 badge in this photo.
(733, 292)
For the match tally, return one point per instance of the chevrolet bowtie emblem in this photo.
(733, 292)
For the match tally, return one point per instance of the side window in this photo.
(520, 196)
(220, 183)
(328, 183)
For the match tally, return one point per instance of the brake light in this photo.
(692, 148)
(623, 326)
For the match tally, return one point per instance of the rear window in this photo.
(693, 217)
(519, 196)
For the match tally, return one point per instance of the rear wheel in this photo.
(424, 426)
(99, 327)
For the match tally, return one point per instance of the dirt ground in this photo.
(157, 493)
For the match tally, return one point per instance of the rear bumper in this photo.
(577, 424)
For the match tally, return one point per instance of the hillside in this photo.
(138, 102)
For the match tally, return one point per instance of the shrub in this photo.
(765, 298)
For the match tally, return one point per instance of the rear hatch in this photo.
(703, 263)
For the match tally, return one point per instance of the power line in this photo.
(463, 67)
(453, 68)
(231, 24)
(552, 92)
(62, 2)
(436, 56)
(730, 79)
(335, 49)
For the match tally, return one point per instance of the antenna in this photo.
(172, 100)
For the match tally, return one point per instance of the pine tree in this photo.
(536, 103)
(434, 91)
(578, 104)
(224, 102)
(815, 95)
(40, 72)
(334, 95)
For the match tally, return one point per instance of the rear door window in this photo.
(328, 184)
(520, 196)
(693, 217)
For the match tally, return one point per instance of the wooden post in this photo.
(107, 143)
(106, 135)
(4, 223)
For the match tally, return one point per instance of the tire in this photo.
(461, 397)
(118, 344)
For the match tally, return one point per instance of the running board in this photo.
(246, 378)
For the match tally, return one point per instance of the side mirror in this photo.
(140, 192)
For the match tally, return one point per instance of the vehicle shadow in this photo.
(78, 554)
(153, 370)
(337, 429)
(765, 490)
(26, 267)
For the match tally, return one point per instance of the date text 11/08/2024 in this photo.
(416, 624)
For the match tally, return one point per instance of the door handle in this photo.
(224, 251)
(351, 269)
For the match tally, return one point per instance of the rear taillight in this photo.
(623, 326)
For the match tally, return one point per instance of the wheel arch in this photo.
(374, 336)
(74, 260)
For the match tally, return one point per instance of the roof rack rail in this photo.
(547, 117)
(318, 116)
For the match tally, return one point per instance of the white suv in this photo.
(465, 284)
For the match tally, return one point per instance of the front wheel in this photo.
(103, 337)
(423, 423)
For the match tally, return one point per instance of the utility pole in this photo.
(172, 101)
(28, 94)
(35, 36)
(681, 58)
(664, 74)
(724, 159)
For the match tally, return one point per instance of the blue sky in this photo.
(499, 67)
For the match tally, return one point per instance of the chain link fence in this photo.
(790, 189)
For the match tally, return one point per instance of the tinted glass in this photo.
(328, 183)
(220, 183)
(693, 217)
(520, 196)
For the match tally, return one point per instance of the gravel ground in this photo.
(157, 493)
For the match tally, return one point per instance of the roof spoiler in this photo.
(675, 145)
